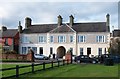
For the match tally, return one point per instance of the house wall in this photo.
(13, 43)
(90, 42)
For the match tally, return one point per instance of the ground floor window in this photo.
(24, 50)
(51, 50)
(81, 51)
(71, 50)
(34, 49)
(29, 48)
(41, 50)
(99, 51)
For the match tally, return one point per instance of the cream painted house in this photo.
(81, 38)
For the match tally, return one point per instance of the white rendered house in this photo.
(81, 38)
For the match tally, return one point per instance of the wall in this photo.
(16, 56)
(90, 42)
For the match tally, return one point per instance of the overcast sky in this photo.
(47, 12)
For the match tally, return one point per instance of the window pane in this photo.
(81, 51)
(100, 39)
(61, 39)
(51, 38)
(24, 49)
(81, 38)
(99, 51)
(42, 39)
(34, 49)
(71, 38)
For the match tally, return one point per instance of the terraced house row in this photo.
(90, 38)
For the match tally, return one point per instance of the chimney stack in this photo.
(28, 22)
(71, 20)
(20, 27)
(3, 28)
(107, 20)
(59, 20)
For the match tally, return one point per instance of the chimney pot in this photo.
(71, 20)
(20, 27)
(107, 20)
(59, 20)
(28, 22)
(4, 28)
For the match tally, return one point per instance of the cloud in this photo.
(47, 12)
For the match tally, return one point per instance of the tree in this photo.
(115, 45)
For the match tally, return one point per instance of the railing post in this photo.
(32, 67)
(17, 71)
(43, 65)
(63, 62)
(52, 64)
(58, 63)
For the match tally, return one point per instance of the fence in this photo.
(43, 66)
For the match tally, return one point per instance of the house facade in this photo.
(81, 38)
(9, 39)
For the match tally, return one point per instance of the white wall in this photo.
(94, 48)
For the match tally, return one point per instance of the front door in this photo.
(88, 51)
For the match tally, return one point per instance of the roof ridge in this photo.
(55, 29)
(70, 27)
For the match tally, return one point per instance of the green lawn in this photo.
(12, 72)
(72, 70)
(21, 70)
(79, 70)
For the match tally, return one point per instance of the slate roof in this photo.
(78, 27)
(44, 28)
(116, 33)
(62, 29)
(9, 33)
(91, 27)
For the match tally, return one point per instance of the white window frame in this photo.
(42, 39)
(81, 40)
(100, 39)
(63, 40)
(51, 39)
(100, 51)
(25, 39)
(25, 52)
(71, 39)
(82, 50)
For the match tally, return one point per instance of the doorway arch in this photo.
(61, 51)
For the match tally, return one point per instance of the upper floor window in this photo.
(51, 39)
(25, 39)
(81, 38)
(61, 39)
(42, 39)
(71, 38)
(6, 41)
(100, 39)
